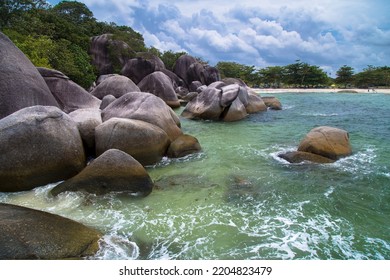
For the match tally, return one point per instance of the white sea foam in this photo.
(113, 246)
(320, 114)
(329, 191)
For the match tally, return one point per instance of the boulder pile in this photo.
(101, 140)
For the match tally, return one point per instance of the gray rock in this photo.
(113, 171)
(145, 107)
(70, 96)
(206, 105)
(235, 111)
(108, 53)
(144, 64)
(115, 85)
(32, 234)
(203, 73)
(195, 85)
(176, 80)
(21, 85)
(107, 100)
(87, 120)
(160, 85)
(181, 67)
(38, 145)
(145, 142)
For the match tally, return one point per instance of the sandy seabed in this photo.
(335, 90)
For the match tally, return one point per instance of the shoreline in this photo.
(320, 90)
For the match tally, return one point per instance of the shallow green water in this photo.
(237, 200)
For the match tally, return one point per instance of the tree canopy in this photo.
(58, 37)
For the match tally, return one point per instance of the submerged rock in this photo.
(31, 234)
(299, 157)
(38, 145)
(113, 171)
(21, 85)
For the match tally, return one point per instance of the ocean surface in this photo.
(238, 200)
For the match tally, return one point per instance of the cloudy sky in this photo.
(327, 33)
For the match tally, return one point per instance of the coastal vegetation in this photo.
(58, 37)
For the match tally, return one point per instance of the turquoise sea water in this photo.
(237, 200)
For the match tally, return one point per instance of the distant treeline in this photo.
(58, 37)
(300, 74)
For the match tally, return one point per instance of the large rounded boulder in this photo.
(272, 102)
(203, 73)
(38, 145)
(182, 65)
(145, 107)
(21, 85)
(329, 142)
(146, 142)
(144, 64)
(115, 85)
(113, 171)
(255, 103)
(69, 95)
(32, 234)
(108, 53)
(206, 105)
(183, 145)
(160, 85)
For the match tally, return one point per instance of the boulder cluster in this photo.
(101, 140)
(97, 141)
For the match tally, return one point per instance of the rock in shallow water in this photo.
(145, 142)
(327, 141)
(298, 157)
(31, 234)
(38, 145)
(113, 171)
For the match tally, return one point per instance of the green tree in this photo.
(271, 76)
(76, 12)
(169, 58)
(13, 9)
(344, 75)
(237, 70)
(373, 77)
(315, 77)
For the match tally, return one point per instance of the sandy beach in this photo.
(335, 90)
